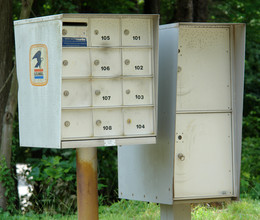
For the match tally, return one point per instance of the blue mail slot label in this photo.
(74, 42)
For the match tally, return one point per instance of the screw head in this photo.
(64, 31)
(67, 123)
(97, 92)
(126, 32)
(127, 91)
(179, 137)
(96, 32)
(179, 69)
(66, 93)
(65, 62)
(127, 62)
(98, 122)
(96, 62)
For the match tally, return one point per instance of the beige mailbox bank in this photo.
(198, 149)
(87, 80)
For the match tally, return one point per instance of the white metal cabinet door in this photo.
(76, 124)
(137, 91)
(106, 92)
(105, 32)
(106, 62)
(203, 81)
(107, 122)
(75, 62)
(136, 32)
(137, 61)
(76, 93)
(138, 121)
(205, 141)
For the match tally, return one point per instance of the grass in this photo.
(124, 210)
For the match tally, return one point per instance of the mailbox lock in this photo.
(129, 121)
(96, 62)
(126, 32)
(66, 93)
(64, 31)
(65, 62)
(97, 92)
(67, 123)
(127, 62)
(127, 91)
(181, 157)
(179, 137)
(98, 122)
(96, 32)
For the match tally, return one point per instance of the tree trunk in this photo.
(200, 10)
(8, 101)
(152, 6)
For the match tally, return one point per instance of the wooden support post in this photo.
(87, 188)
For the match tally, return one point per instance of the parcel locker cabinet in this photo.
(87, 80)
(198, 149)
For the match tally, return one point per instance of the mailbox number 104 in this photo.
(140, 126)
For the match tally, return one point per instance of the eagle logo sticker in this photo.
(38, 64)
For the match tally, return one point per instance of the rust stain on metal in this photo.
(87, 191)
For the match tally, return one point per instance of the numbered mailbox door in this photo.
(105, 32)
(107, 92)
(106, 62)
(138, 91)
(76, 124)
(76, 92)
(136, 32)
(75, 62)
(108, 122)
(138, 121)
(137, 62)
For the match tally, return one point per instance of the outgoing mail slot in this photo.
(106, 62)
(136, 32)
(138, 121)
(137, 91)
(137, 62)
(106, 92)
(107, 122)
(76, 123)
(75, 62)
(105, 32)
(76, 92)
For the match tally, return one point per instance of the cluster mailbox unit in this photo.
(87, 80)
(198, 149)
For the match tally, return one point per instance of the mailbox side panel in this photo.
(145, 172)
(39, 103)
(238, 58)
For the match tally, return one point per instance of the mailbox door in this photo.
(107, 122)
(205, 170)
(137, 121)
(75, 62)
(76, 93)
(105, 32)
(107, 92)
(136, 32)
(76, 124)
(106, 62)
(137, 91)
(204, 77)
(137, 62)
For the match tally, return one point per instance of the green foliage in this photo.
(7, 181)
(54, 183)
(250, 168)
(246, 209)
